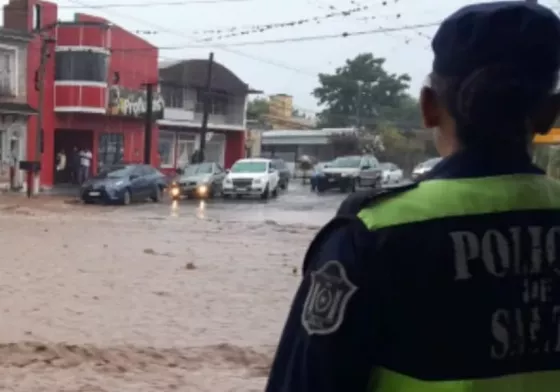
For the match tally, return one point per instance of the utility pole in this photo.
(206, 108)
(34, 179)
(148, 123)
(359, 106)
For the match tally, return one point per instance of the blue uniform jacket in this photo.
(314, 356)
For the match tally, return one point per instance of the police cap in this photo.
(512, 33)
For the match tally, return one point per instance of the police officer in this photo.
(453, 283)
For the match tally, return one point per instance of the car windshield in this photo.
(430, 163)
(200, 168)
(114, 172)
(346, 162)
(249, 167)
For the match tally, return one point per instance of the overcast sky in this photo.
(289, 67)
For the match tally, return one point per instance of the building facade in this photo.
(14, 110)
(94, 89)
(281, 114)
(182, 85)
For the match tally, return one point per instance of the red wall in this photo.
(134, 58)
(235, 148)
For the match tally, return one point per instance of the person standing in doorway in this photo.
(75, 166)
(60, 165)
(85, 164)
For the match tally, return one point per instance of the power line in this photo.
(217, 46)
(296, 39)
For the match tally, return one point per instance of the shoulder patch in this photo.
(357, 201)
(329, 294)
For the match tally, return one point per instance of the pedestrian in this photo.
(450, 283)
(60, 164)
(85, 164)
(75, 165)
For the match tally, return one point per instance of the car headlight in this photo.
(258, 181)
(202, 190)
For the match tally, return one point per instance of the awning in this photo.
(17, 108)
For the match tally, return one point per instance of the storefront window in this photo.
(111, 149)
(185, 149)
(81, 66)
(547, 157)
(166, 149)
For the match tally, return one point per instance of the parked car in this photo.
(350, 173)
(252, 177)
(124, 184)
(424, 167)
(200, 180)
(392, 174)
(283, 172)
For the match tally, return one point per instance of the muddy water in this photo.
(101, 299)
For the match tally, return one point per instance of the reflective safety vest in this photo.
(468, 272)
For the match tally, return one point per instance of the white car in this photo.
(422, 168)
(251, 177)
(391, 173)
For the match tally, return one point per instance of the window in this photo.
(166, 149)
(81, 66)
(111, 150)
(7, 72)
(172, 96)
(250, 167)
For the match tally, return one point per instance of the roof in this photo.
(17, 108)
(306, 133)
(193, 73)
(21, 35)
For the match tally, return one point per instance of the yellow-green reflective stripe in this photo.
(388, 381)
(470, 196)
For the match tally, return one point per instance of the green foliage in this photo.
(362, 93)
(257, 108)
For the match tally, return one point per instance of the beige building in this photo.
(280, 114)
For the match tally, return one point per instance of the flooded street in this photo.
(188, 296)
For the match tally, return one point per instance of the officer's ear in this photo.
(545, 116)
(431, 107)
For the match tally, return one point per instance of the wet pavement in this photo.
(297, 205)
(187, 296)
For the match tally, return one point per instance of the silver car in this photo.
(200, 180)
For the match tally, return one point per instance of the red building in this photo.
(94, 91)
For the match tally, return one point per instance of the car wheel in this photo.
(275, 192)
(266, 193)
(284, 185)
(354, 185)
(156, 197)
(127, 198)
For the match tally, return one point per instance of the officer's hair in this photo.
(494, 104)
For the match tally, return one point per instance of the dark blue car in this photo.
(124, 184)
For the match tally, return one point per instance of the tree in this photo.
(362, 93)
(257, 108)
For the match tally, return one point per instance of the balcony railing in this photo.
(219, 114)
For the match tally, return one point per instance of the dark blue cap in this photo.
(517, 34)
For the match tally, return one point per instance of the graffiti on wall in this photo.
(132, 103)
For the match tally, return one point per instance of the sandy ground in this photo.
(106, 299)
